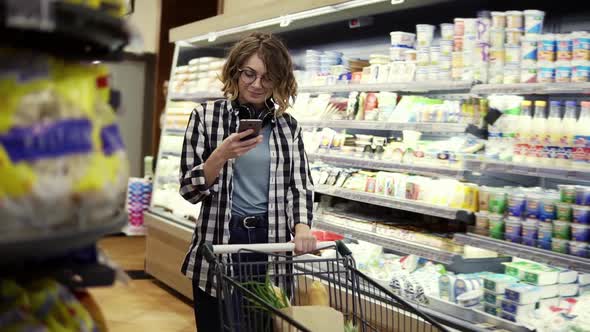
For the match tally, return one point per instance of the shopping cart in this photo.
(363, 304)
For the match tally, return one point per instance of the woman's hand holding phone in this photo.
(233, 146)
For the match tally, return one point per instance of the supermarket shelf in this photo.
(533, 88)
(63, 29)
(171, 154)
(174, 132)
(435, 86)
(196, 96)
(393, 244)
(171, 217)
(382, 125)
(563, 173)
(535, 254)
(50, 243)
(384, 165)
(397, 203)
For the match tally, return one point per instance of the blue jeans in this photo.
(252, 265)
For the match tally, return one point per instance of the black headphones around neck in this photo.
(247, 111)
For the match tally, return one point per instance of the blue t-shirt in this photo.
(251, 179)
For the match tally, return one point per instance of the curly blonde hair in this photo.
(277, 60)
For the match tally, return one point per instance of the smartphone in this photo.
(254, 124)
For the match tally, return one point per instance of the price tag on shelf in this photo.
(30, 14)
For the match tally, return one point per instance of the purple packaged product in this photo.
(530, 233)
(581, 214)
(580, 232)
(533, 205)
(512, 238)
(547, 208)
(516, 204)
(529, 242)
(579, 249)
(544, 245)
(582, 195)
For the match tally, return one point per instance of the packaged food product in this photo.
(516, 204)
(447, 30)
(511, 74)
(561, 229)
(546, 46)
(581, 214)
(469, 43)
(533, 21)
(459, 26)
(580, 232)
(529, 235)
(517, 309)
(484, 25)
(560, 245)
(496, 284)
(514, 19)
(581, 45)
(563, 72)
(547, 208)
(546, 72)
(513, 36)
(470, 299)
(512, 55)
(533, 201)
(567, 193)
(497, 38)
(564, 47)
(529, 50)
(498, 20)
(497, 200)
(580, 71)
(568, 290)
(494, 310)
(522, 293)
(528, 74)
(496, 227)
(402, 39)
(582, 195)
(579, 249)
(491, 296)
(424, 34)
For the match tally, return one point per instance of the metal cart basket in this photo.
(361, 303)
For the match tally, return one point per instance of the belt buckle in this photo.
(245, 222)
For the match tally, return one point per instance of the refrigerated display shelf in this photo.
(397, 203)
(533, 88)
(196, 96)
(555, 172)
(160, 212)
(63, 29)
(174, 132)
(518, 250)
(417, 87)
(171, 154)
(393, 244)
(436, 127)
(54, 242)
(384, 165)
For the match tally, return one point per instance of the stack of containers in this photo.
(513, 35)
(402, 54)
(139, 194)
(571, 55)
(312, 64)
(378, 69)
(481, 54)
(447, 31)
(465, 49)
(571, 229)
(180, 79)
(424, 69)
(203, 74)
(494, 289)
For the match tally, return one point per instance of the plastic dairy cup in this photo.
(514, 19)
(528, 74)
(496, 226)
(499, 20)
(484, 24)
(582, 195)
(563, 71)
(459, 27)
(497, 37)
(581, 214)
(580, 71)
(512, 55)
(424, 34)
(561, 230)
(581, 45)
(546, 72)
(563, 47)
(559, 245)
(528, 50)
(423, 56)
(567, 193)
(513, 36)
(511, 74)
(446, 47)
(402, 39)
(533, 21)
(469, 26)
(579, 249)
(546, 47)
(447, 30)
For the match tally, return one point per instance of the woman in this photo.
(253, 190)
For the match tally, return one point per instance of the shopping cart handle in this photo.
(264, 247)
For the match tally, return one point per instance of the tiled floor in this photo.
(143, 305)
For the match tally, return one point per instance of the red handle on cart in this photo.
(264, 247)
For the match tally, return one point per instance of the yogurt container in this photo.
(563, 72)
(530, 222)
(445, 62)
(484, 24)
(424, 34)
(512, 55)
(482, 219)
(564, 211)
(497, 201)
(410, 55)
(567, 193)
(530, 235)
(546, 72)
(513, 229)
(444, 74)
(522, 293)
(459, 26)
(561, 230)
(469, 43)
(533, 202)
(579, 249)
(446, 47)
(582, 195)
(581, 214)
(516, 204)
(498, 20)
(517, 309)
(580, 232)
(546, 45)
(547, 211)
(560, 246)
(447, 30)
(528, 74)
(496, 283)
(423, 56)
(513, 36)
(533, 21)
(564, 48)
(528, 51)
(580, 71)
(469, 26)
(458, 43)
(496, 226)
(581, 45)
(497, 37)
(402, 39)
(397, 53)
(511, 74)
(422, 74)
(484, 198)
(434, 55)
(497, 55)
(514, 19)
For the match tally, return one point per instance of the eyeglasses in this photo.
(249, 76)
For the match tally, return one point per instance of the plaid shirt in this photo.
(290, 198)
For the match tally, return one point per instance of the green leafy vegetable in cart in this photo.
(267, 292)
